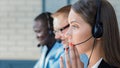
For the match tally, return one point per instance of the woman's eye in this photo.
(75, 26)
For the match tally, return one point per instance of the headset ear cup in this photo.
(97, 30)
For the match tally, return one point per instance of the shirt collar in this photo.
(97, 64)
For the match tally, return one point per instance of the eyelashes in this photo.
(74, 27)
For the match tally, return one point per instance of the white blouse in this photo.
(97, 64)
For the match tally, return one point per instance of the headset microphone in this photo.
(38, 45)
(83, 41)
(78, 43)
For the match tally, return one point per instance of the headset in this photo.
(50, 29)
(97, 30)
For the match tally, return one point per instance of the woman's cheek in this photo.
(76, 38)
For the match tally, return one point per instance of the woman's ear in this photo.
(98, 39)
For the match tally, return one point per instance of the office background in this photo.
(17, 39)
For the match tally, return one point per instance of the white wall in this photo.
(116, 5)
(17, 39)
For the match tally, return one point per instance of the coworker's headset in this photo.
(97, 30)
(50, 29)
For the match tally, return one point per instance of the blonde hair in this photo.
(64, 11)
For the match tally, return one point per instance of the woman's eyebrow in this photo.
(74, 21)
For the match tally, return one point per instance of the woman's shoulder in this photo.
(103, 64)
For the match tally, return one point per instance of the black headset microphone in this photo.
(83, 41)
(97, 29)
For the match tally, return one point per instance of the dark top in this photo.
(103, 64)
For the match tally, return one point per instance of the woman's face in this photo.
(78, 32)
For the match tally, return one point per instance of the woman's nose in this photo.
(68, 34)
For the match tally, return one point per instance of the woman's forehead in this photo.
(75, 17)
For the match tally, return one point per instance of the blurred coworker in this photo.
(61, 24)
(50, 48)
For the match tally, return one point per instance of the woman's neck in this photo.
(96, 55)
